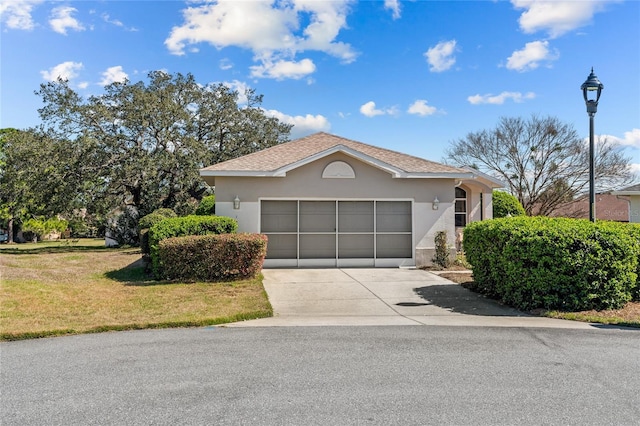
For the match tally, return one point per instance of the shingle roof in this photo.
(633, 188)
(288, 154)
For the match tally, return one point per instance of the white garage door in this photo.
(337, 233)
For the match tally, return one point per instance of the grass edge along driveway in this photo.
(53, 289)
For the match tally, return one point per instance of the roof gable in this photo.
(277, 160)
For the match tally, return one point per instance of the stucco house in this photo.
(327, 201)
(633, 192)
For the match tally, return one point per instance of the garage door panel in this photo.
(314, 246)
(317, 216)
(393, 216)
(355, 216)
(355, 246)
(279, 216)
(393, 246)
(282, 246)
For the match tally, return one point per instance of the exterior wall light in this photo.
(436, 203)
(236, 203)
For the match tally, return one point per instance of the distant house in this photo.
(324, 200)
(633, 195)
(608, 207)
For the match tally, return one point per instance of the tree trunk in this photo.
(10, 230)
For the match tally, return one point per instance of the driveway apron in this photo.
(317, 297)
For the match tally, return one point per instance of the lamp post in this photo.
(592, 85)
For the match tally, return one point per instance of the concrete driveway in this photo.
(316, 297)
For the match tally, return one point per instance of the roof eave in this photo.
(625, 192)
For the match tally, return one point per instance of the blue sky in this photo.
(405, 75)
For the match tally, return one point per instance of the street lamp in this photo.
(591, 85)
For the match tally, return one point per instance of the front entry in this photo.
(337, 233)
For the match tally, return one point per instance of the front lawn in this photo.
(50, 289)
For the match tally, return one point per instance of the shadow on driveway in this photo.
(456, 298)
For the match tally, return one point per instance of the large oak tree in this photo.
(542, 161)
(152, 138)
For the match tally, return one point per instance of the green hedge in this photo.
(505, 204)
(212, 257)
(184, 226)
(554, 263)
(147, 222)
(635, 233)
(207, 206)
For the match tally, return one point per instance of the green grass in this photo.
(51, 289)
(629, 316)
(58, 246)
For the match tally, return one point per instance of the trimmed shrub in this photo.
(147, 222)
(207, 206)
(154, 217)
(634, 230)
(441, 257)
(554, 263)
(212, 257)
(185, 226)
(506, 204)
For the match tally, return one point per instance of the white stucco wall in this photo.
(634, 209)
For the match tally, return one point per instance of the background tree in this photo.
(505, 204)
(40, 175)
(542, 161)
(152, 138)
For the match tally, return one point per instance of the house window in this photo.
(461, 207)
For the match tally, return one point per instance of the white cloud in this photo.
(501, 98)
(226, 64)
(556, 17)
(66, 71)
(369, 110)
(631, 139)
(241, 88)
(281, 70)
(106, 18)
(118, 23)
(112, 75)
(635, 168)
(421, 108)
(274, 31)
(440, 56)
(61, 20)
(530, 56)
(394, 6)
(16, 15)
(302, 124)
(83, 85)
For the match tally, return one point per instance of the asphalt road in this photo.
(325, 376)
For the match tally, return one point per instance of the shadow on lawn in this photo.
(135, 275)
(33, 249)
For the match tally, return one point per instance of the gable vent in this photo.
(338, 170)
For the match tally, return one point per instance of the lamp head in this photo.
(592, 84)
